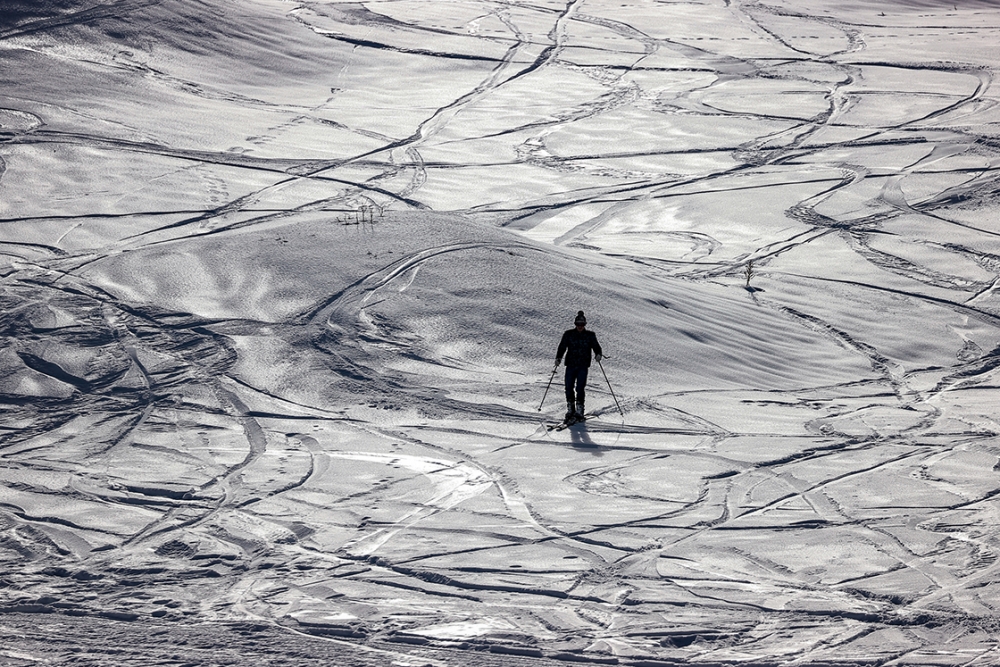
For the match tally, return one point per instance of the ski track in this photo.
(442, 505)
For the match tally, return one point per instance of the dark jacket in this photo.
(576, 345)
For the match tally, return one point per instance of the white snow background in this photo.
(281, 288)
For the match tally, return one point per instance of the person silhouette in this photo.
(577, 344)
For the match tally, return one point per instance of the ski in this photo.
(567, 423)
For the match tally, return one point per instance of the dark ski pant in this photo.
(576, 376)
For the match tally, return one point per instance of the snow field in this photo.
(282, 287)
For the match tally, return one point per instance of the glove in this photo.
(558, 361)
(598, 357)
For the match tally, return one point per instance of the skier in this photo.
(577, 344)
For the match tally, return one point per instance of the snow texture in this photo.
(282, 283)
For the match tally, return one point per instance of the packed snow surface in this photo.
(282, 284)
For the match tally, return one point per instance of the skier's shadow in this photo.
(580, 438)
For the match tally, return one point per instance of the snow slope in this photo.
(282, 285)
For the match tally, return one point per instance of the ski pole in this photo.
(610, 389)
(554, 369)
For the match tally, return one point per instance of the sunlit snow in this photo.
(282, 285)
